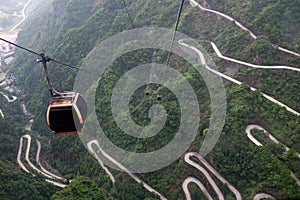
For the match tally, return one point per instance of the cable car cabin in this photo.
(66, 113)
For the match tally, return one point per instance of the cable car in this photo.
(158, 97)
(66, 113)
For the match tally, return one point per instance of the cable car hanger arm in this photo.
(44, 59)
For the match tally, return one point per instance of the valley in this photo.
(242, 165)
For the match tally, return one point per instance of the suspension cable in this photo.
(44, 60)
(38, 54)
(172, 40)
(128, 14)
(175, 29)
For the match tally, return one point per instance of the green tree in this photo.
(263, 50)
(81, 188)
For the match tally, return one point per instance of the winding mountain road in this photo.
(203, 161)
(50, 177)
(271, 137)
(89, 145)
(19, 156)
(213, 171)
(198, 183)
(14, 98)
(120, 166)
(219, 54)
(28, 137)
(193, 3)
(218, 175)
(37, 159)
(23, 15)
(45, 173)
(257, 143)
(9, 101)
(202, 60)
(188, 160)
(262, 196)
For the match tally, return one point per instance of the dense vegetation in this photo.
(68, 30)
(81, 188)
(250, 166)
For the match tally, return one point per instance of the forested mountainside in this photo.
(69, 30)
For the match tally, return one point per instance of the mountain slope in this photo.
(69, 30)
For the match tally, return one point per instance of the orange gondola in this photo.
(66, 111)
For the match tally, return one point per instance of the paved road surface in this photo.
(257, 143)
(1, 113)
(218, 175)
(19, 156)
(202, 60)
(112, 178)
(196, 4)
(205, 173)
(8, 99)
(219, 54)
(37, 159)
(198, 183)
(120, 166)
(28, 137)
(215, 173)
(49, 176)
(23, 15)
(262, 196)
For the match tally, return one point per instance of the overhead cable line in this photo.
(128, 14)
(175, 29)
(42, 55)
(172, 40)
(20, 47)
